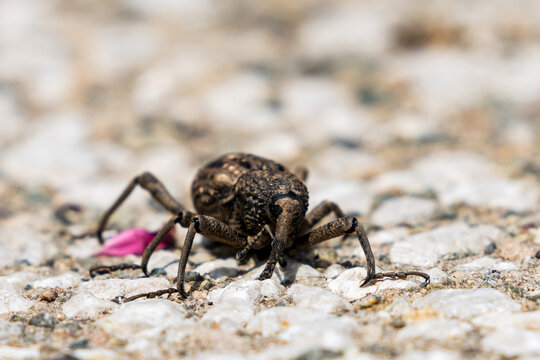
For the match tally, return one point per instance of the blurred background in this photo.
(375, 97)
(419, 116)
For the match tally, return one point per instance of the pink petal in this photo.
(132, 241)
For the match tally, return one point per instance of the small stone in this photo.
(293, 272)
(399, 307)
(13, 249)
(437, 276)
(405, 209)
(317, 298)
(192, 276)
(351, 196)
(369, 301)
(148, 325)
(490, 248)
(44, 319)
(465, 304)
(322, 263)
(333, 271)
(218, 268)
(10, 330)
(430, 355)
(304, 326)
(70, 159)
(518, 196)
(164, 260)
(425, 248)
(513, 342)
(206, 285)
(537, 255)
(522, 320)
(434, 330)
(64, 281)
(158, 272)
(387, 236)
(319, 354)
(487, 263)
(111, 288)
(348, 283)
(84, 305)
(94, 353)
(11, 292)
(398, 322)
(229, 316)
(246, 291)
(79, 344)
(9, 352)
(48, 295)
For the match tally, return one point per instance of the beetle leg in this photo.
(207, 226)
(259, 241)
(349, 225)
(318, 213)
(155, 187)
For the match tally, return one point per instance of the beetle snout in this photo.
(286, 205)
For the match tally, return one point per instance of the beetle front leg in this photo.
(151, 184)
(348, 225)
(204, 225)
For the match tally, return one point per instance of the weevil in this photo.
(247, 202)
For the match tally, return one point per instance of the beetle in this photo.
(247, 202)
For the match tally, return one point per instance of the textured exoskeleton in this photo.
(247, 202)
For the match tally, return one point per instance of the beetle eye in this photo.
(275, 210)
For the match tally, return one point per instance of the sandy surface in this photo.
(422, 118)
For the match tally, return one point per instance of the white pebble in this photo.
(434, 330)
(218, 268)
(430, 355)
(351, 196)
(84, 305)
(405, 209)
(437, 276)
(13, 301)
(21, 239)
(229, 316)
(55, 154)
(17, 280)
(519, 196)
(10, 352)
(465, 303)
(513, 342)
(523, 320)
(164, 259)
(425, 248)
(10, 329)
(11, 292)
(111, 288)
(317, 298)
(93, 354)
(486, 262)
(245, 290)
(304, 326)
(148, 325)
(333, 271)
(348, 284)
(65, 281)
(294, 271)
(400, 306)
(386, 236)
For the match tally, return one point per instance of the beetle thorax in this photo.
(258, 195)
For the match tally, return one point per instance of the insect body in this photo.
(247, 202)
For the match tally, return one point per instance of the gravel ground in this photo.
(420, 117)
